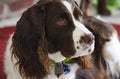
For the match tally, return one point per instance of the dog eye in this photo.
(62, 21)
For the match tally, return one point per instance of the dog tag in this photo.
(59, 69)
(67, 68)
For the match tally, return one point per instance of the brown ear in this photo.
(29, 44)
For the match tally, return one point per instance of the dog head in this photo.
(51, 29)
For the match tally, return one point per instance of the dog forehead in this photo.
(62, 3)
(68, 5)
(65, 5)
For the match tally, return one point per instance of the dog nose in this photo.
(87, 39)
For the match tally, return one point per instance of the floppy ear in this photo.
(29, 44)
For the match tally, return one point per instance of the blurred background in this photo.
(11, 10)
(113, 7)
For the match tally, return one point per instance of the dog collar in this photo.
(67, 61)
(62, 67)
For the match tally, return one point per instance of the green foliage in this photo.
(111, 4)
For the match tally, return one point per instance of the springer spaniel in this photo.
(47, 31)
(55, 30)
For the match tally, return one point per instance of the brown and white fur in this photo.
(54, 29)
(47, 30)
(106, 56)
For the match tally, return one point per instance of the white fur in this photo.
(10, 70)
(57, 57)
(111, 53)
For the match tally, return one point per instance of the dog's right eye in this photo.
(61, 21)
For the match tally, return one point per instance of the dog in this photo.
(105, 62)
(52, 31)
(48, 31)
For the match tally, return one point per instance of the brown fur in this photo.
(26, 47)
(84, 61)
(33, 38)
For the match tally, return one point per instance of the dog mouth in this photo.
(60, 56)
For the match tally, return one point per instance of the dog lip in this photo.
(89, 46)
(86, 47)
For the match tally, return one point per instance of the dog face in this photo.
(66, 35)
(51, 29)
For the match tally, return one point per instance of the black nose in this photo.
(87, 39)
